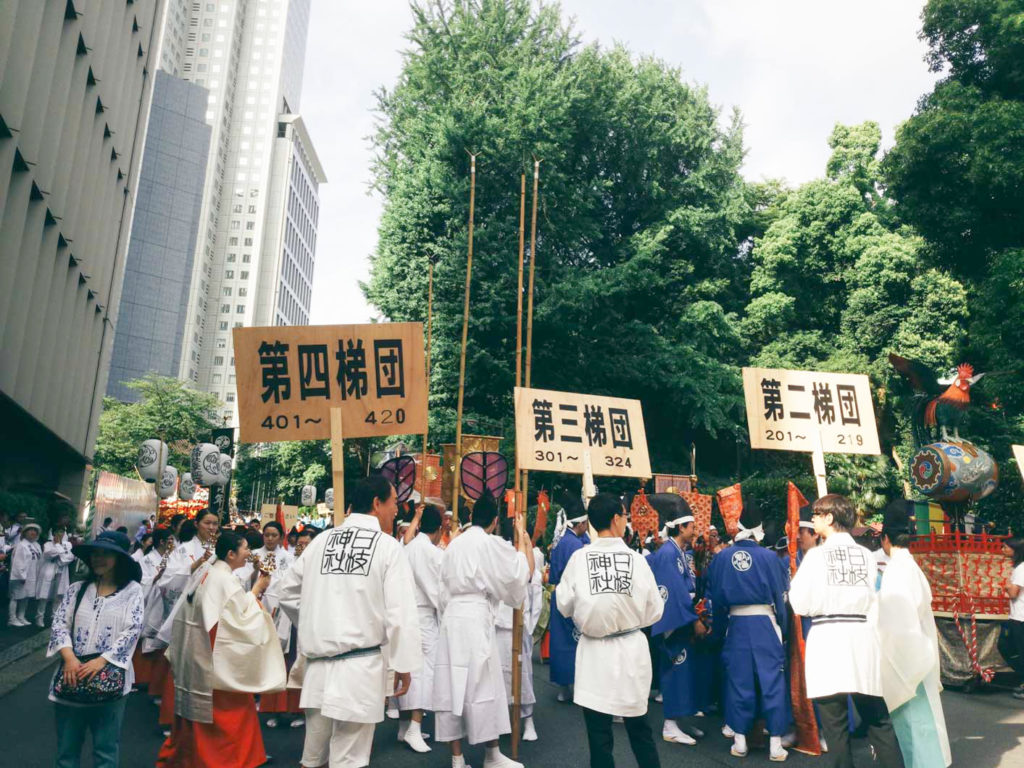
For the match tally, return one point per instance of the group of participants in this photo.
(355, 620)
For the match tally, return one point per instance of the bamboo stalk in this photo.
(465, 334)
(430, 321)
(519, 302)
(524, 486)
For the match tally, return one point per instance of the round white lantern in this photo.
(206, 464)
(187, 487)
(308, 495)
(225, 469)
(329, 498)
(168, 483)
(152, 460)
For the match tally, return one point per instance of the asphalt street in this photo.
(986, 730)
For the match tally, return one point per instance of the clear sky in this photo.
(793, 67)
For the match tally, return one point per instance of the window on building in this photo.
(240, 309)
(230, 397)
(243, 291)
(237, 208)
(227, 291)
(225, 308)
(236, 224)
(237, 325)
(246, 258)
(222, 343)
(217, 378)
(218, 360)
(244, 275)
(222, 325)
(248, 241)
(232, 241)
(231, 379)
(231, 257)
(250, 225)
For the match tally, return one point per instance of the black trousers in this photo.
(1016, 629)
(875, 716)
(601, 740)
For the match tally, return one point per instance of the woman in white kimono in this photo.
(503, 625)
(223, 649)
(53, 573)
(478, 572)
(910, 649)
(25, 561)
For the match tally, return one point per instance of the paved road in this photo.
(987, 730)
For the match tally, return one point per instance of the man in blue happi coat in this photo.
(564, 636)
(673, 635)
(749, 596)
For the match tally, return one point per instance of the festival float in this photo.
(967, 572)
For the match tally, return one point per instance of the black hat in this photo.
(897, 519)
(751, 520)
(110, 541)
(807, 516)
(575, 513)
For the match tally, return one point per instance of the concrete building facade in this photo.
(76, 80)
(158, 273)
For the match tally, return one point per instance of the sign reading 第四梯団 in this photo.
(788, 410)
(289, 378)
(554, 429)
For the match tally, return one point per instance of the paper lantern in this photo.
(308, 498)
(152, 460)
(168, 483)
(225, 469)
(329, 498)
(206, 464)
(187, 487)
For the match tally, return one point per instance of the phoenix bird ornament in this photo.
(937, 409)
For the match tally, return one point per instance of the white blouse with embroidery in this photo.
(109, 626)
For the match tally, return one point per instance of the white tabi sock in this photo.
(458, 761)
(775, 749)
(739, 744)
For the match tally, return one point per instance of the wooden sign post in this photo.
(1018, 454)
(810, 412)
(331, 382)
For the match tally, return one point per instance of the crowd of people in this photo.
(396, 612)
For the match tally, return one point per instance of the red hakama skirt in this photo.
(142, 666)
(159, 669)
(545, 647)
(232, 740)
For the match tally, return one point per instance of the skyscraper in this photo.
(76, 81)
(254, 250)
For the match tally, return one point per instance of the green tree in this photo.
(641, 266)
(167, 409)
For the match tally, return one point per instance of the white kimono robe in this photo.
(503, 624)
(149, 563)
(425, 563)
(910, 663)
(167, 592)
(283, 560)
(25, 562)
(53, 570)
(610, 593)
(478, 572)
(351, 592)
(835, 588)
(246, 656)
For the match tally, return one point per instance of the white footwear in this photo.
(788, 740)
(698, 714)
(564, 694)
(22, 610)
(272, 722)
(659, 698)
(459, 761)
(12, 613)
(739, 746)
(673, 733)
(392, 713)
(529, 731)
(41, 616)
(298, 722)
(414, 738)
(775, 751)
(157, 701)
(728, 732)
(494, 759)
(824, 745)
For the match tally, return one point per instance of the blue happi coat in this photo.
(753, 655)
(564, 637)
(672, 634)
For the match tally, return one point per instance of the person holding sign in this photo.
(478, 572)
(835, 586)
(609, 592)
(351, 593)
(564, 637)
(748, 592)
(674, 633)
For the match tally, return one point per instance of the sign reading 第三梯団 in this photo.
(788, 410)
(289, 378)
(554, 429)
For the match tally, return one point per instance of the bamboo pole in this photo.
(517, 614)
(430, 321)
(524, 486)
(465, 334)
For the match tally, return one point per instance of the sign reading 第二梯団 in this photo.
(788, 410)
(554, 429)
(289, 378)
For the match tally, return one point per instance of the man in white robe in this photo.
(610, 593)
(478, 572)
(425, 561)
(910, 649)
(352, 595)
(835, 587)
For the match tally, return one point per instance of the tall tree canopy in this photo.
(643, 215)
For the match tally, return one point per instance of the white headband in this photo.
(756, 533)
(577, 520)
(807, 524)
